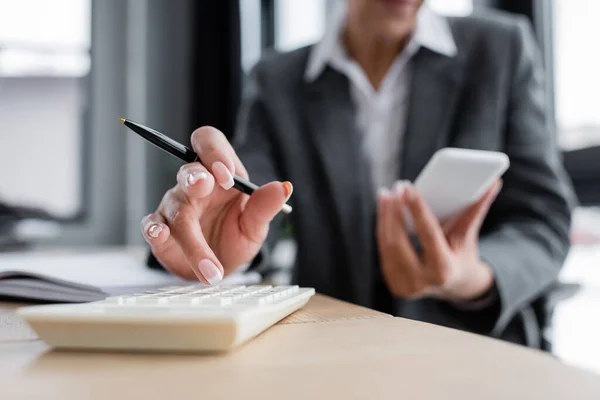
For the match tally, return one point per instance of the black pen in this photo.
(186, 154)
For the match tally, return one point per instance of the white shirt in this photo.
(381, 114)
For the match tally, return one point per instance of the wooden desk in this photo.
(330, 349)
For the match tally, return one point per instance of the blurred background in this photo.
(71, 175)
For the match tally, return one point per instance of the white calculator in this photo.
(194, 318)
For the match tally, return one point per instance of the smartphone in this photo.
(454, 179)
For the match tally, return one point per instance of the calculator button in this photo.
(260, 288)
(185, 299)
(181, 291)
(148, 300)
(231, 287)
(211, 291)
(169, 288)
(216, 301)
(229, 299)
(276, 294)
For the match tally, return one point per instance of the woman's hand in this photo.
(203, 227)
(449, 266)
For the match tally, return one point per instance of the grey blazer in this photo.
(490, 96)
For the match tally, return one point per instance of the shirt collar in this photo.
(432, 31)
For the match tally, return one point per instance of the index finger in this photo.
(470, 221)
(217, 155)
(427, 227)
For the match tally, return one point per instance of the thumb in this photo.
(264, 204)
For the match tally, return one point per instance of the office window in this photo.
(282, 24)
(44, 61)
(299, 23)
(250, 28)
(576, 66)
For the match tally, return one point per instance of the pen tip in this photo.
(122, 120)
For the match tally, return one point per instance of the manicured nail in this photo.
(399, 188)
(155, 230)
(210, 272)
(194, 177)
(383, 192)
(223, 175)
(287, 186)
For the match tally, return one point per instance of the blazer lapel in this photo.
(332, 127)
(435, 88)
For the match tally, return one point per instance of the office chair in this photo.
(545, 306)
(11, 219)
(581, 167)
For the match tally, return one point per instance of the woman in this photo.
(362, 112)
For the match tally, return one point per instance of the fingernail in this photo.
(383, 192)
(155, 230)
(287, 186)
(399, 187)
(194, 177)
(210, 272)
(223, 175)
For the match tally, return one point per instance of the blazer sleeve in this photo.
(525, 239)
(255, 145)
